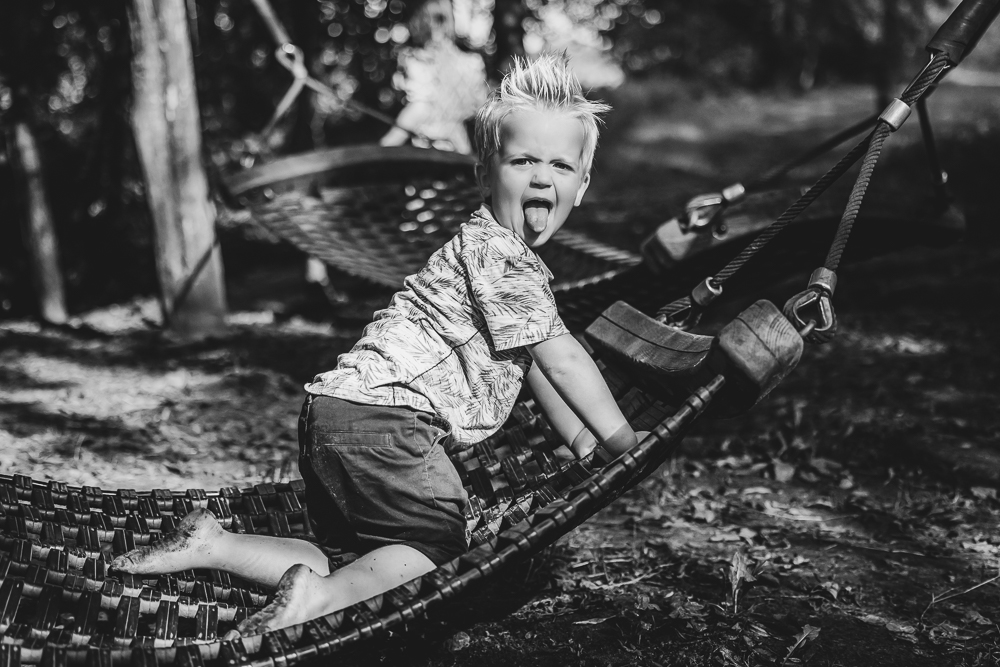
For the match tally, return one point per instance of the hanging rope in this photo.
(291, 58)
(774, 175)
(912, 93)
(871, 146)
(704, 210)
(814, 306)
(667, 312)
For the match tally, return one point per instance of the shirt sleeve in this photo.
(513, 294)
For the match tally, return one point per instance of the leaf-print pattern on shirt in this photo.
(452, 341)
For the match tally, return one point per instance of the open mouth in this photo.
(536, 214)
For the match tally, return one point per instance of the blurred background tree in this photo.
(64, 71)
(759, 43)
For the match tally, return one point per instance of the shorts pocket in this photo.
(368, 439)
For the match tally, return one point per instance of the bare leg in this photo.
(303, 594)
(200, 541)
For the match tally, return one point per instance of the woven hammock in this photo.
(60, 604)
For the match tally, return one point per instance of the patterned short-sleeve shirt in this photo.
(452, 341)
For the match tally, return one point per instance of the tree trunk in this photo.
(39, 232)
(168, 135)
(508, 29)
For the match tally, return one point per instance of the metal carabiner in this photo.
(703, 210)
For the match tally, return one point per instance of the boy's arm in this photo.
(562, 418)
(576, 385)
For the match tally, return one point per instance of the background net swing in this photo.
(59, 604)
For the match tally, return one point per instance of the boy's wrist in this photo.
(583, 443)
(620, 441)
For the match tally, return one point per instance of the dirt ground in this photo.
(850, 519)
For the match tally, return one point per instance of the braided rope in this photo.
(853, 207)
(871, 146)
(762, 239)
(912, 93)
(777, 173)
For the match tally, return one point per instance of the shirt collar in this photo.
(484, 215)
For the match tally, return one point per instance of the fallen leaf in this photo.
(593, 621)
(826, 467)
(783, 472)
(831, 588)
(984, 492)
(808, 633)
(652, 513)
(458, 642)
(702, 512)
(739, 574)
(723, 536)
(905, 632)
(975, 617)
(900, 628)
(807, 476)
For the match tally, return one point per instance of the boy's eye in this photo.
(519, 161)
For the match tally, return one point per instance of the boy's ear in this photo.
(483, 179)
(582, 190)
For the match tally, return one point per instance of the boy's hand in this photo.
(585, 442)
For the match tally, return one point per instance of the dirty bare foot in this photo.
(189, 546)
(299, 598)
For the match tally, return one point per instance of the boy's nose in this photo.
(541, 176)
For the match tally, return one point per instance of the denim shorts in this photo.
(378, 475)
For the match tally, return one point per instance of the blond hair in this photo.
(543, 84)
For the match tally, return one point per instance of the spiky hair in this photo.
(545, 83)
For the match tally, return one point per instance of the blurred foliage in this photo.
(65, 71)
(349, 45)
(763, 42)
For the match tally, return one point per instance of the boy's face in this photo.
(537, 177)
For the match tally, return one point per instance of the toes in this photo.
(253, 625)
(129, 562)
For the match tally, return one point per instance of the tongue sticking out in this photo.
(537, 216)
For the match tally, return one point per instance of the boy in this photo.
(440, 367)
